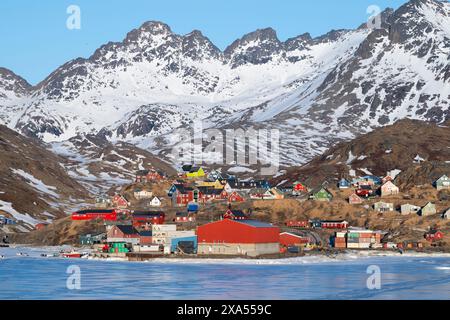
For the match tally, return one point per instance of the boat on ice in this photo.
(74, 254)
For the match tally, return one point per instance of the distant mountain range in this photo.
(316, 91)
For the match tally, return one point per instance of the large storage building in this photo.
(238, 237)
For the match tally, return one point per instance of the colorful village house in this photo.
(334, 224)
(155, 202)
(355, 199)
(234, 215)
(143, 176)
(321, 194)
(196, 172)
(261, 194)
(344, 184)
(120, 201)
(434, 235)
(209, 194)
(145, 219)
(428, 210)
(102, 201)
(184, 195)
(299, 188)
(214, 175)
(123, 233)
(406, 209)
(278, 194)
(383, 206)
(443, 183)
(446, 215)
(236, 196)
(389, 189)
(141, 194)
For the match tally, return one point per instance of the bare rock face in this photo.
(315, 91)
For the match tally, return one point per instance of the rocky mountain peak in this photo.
(198, 47)
(9, 81)
(298, 43)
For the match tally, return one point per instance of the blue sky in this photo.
(35, 40)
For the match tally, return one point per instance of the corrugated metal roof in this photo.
(255, 223)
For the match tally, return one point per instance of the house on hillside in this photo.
(183, 195)
(344, 184)
(102, 201)
(443, 183)
(389, 189)
(214, 175)
(234, 215)
(261, 194)
(155, 202)
(407, 209)
(143, 176)
(210, 194)
(299, 188)
(428, 210)
(184, 217)
(141, 194)
(120, 201)
(236, 196)
(383, 206)
(355, 199)
(321, 194)
(196, 172)
(446, 215)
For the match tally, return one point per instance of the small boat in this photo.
(2, 257)
(74, 254)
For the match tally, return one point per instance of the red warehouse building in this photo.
(238, 237)
(288, 239)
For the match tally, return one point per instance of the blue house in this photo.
(344, 184)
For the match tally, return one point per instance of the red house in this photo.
(235, 197)
(299, 187)
(434, 235)
(297, 224)
(144, 219)
(288, 239)
(119, 201)
(334, 224)
(235, 215)
(148, 175)
(183, 195)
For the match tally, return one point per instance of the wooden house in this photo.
(434, 235)
(344, 184)
(234, 215)
(120, 201)
(183, 195)
(321, 194)
(236, 196)
(196, 172)
(428, 210)
(389, 189)
(299, 188)
(355, 199)
(383, 206)
(407, 209)
(123, 233)
(102, 201)
(155, 202)
(141, 194)
(446, 215)
(261, 194)
(443, 183)
(210, 194)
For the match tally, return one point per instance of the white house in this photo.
(389, 189)
(140, 194)
(155, 202)
(409, 208)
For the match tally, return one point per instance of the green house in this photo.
(321, 194)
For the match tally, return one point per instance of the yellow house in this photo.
(196, 172)
(211, 184)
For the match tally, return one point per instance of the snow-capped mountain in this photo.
(316, 91)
